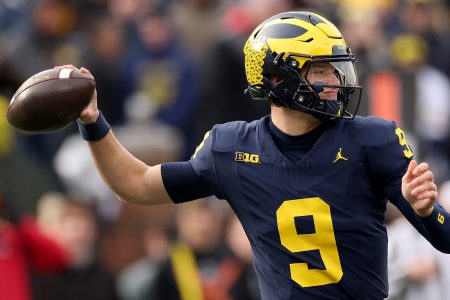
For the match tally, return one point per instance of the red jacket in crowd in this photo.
(25, 249)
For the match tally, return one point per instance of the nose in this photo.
(330, 93)
(332, 80)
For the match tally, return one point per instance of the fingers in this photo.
(409, 172)
(67, 67)
(419, 189)
(82, 69)
(421, 168)
(427, 195)
(416, 174)
(423, 182)
(424, 187)
(423, 177)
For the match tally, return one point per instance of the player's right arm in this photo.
(132, 180)
(135, 182)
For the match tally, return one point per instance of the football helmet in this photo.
(288, 46)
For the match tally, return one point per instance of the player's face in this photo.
(327, 74)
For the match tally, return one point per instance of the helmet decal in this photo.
(299, 15)
(282, 31)
(255, 53)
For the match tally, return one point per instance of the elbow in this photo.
(124, 200)
(135, 199)
(128, 199)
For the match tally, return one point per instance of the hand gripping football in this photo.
(50, 100)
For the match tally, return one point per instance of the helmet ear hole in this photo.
(256, 94)
(276, 79)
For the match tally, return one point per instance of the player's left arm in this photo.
(409, 186)
(419, 189)
(422, 210)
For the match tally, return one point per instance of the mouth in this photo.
(329, 95)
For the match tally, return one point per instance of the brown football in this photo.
(50, 100)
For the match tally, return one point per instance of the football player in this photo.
(309, 182)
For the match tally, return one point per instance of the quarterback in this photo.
(309, 182)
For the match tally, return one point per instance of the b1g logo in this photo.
(247, 157)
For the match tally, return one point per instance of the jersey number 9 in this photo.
(323, 240)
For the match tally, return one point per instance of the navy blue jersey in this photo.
(316, 226)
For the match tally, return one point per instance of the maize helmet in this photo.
(290, 46)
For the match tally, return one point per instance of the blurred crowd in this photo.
(166, 71)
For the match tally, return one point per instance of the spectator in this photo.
(222, 98)
(138, 278)
(189, 19)
(200, 265)
(17, 168)
(159, 74)
(373, 57)
(48, 40)
(430, 101)
(247, 285)
(104, 58)
(428, 19)
(24, 249)
(77, 231)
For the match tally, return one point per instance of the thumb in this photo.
(409, 172)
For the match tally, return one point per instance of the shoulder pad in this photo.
(373, 130)
(229, 136)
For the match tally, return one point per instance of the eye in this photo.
(318, 71)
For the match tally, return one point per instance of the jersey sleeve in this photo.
(182, 183)
(193, 179)
(389, 155)
(435, 228)
(438, 228)
(203, 162)
(389, 161)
